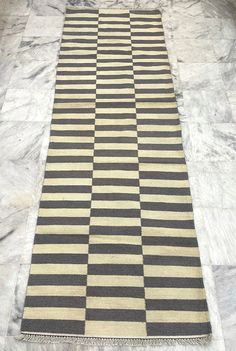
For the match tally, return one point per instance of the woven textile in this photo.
(115, 255)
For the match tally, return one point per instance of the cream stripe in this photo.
(109, 221)
(56, 290)
(115, 239)
(63, 229)
(60, 248)
(73, 166)
(115, 174)
(171, 251)
(118, 189)
(164, 183)
(116, 204)
(115, 329)
(72, 139)
(172, 271)
(58, 268)
(161, 153)
(172, 232)
(66, 196)
(72, 152)
(115, 159)
(149, 140)
(175, 293)
(115, 280)
(176, 317)
(64, 212)
(117, 146)
(165, 198)
(57, 313)
(165, 167)
(128, 303)
(159, 128)
(114, 259)
(69, 181)
(71, 127)
(168, 215)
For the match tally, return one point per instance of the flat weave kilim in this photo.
(115, 257)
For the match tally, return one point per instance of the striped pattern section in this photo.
(115, 252)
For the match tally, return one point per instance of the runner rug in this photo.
(115, 258)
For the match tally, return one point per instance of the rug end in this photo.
(99, 341)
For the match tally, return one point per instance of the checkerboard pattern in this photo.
(115, 252)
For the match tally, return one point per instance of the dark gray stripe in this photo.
(182, 224)
(153, 121)
(118, 140)
(162, 282)
(164, 206)
(161, 160)
(161, 134)
(116, 153)
(57, 279)
(55, 301)
(60, 258)
(115, 249)
(160, 146)
(115, 197)
(65, 159)
(100, 212)
(61, 239)
(68, 145)
(66, 189)
(171, 260)
(178, 329)
(89, 121)
(164, 191)
(115, 291)
(68, 174)
(169, 240)
(63, 221)
(115, 230)
(53, 326)
(176, 305)
(115, 315)
(163, 175)
(115, 182)
(65, 204)
(116, 166)
(116, 269)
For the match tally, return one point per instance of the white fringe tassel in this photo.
(99, 341)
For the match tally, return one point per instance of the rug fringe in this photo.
(99, 341)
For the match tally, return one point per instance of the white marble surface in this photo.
(225, 290)
(200, 36)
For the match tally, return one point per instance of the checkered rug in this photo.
(115, 257)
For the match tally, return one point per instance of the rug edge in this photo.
(107, 341)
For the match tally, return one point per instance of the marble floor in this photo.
(201, 40)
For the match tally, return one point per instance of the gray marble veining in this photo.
(225, 281)
(225, 50)
(200, 76)
(39, 48)
(38, 26)
(48, 7)
(207, 106)
(32, 74)
(228, 75)
(219, 8)
(194, 51)
(221, 28)
(27, 105)
(212, 142)
(8, 276)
